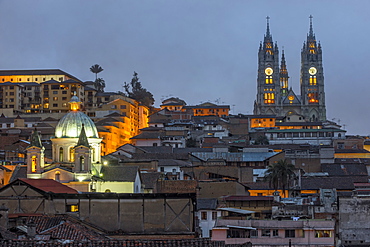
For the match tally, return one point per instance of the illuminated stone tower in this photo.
(268, 80)
(274, 97)
(312, 79)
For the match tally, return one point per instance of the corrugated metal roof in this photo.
(244, 157)
(237, 210)
(49, 185)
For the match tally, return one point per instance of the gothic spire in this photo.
(268, 35)
(283, 74)
(82, 139)
(311, 35)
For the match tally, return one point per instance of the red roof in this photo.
(49, 185)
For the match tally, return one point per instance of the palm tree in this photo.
(100, 84)
(280, 174)
(96, 69)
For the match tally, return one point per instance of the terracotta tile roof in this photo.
(63, 227)
(345, 169)
(70, 231)
(316, 183)
(49, 185)
(167, 241)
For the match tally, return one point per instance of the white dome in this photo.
(71, 124)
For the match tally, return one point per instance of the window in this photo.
(265, 233)
(323, 234)
(55, 92)
(238, 233)
(123, 106)
(11, 87)
(55, 98)
(290, 233)
(161, 169)
(54, 86)
(214, 215)
(61, 154)
(72, 208)
(55, 105)
(82, 163)
(34, 163)
(114, 107)
(254, 233)
(269, 98)
(64, 92)
(57, 176)
(64, 98)
(72, 154)
(275, 233)
(11, 93)
(203, 215)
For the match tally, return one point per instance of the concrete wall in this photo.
(354, 224)
(131, 213)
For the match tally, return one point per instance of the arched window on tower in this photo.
(72, 154)
(82, 163)
(34, 163)
(93, 154)
(60, 154)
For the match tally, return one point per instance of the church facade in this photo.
(275, 97)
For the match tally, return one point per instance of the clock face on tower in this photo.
(269, 71)
(312, 71)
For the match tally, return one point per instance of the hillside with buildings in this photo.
(81, 166)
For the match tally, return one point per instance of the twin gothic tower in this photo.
(275, 97)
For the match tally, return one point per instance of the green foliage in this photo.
(280, 174)
(135, 91)
(100, 84)
(261, 140)
(96, 69)
(191, 143)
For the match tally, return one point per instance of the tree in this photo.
(261, 140)
(280, 174)
(135, 91)
(96, 69)
(100, 84)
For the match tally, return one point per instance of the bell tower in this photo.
(312, 79)
(268, 100)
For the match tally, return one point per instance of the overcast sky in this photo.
(192, 49)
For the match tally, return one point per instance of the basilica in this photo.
(275, 96)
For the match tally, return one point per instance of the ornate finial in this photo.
(268, 26)
(311, 29)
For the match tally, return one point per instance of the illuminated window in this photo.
(46, 105)
(34, 163)
(55, 98)
(322, 234)
(312, 80)
(72, 154)
(269, 98)
(72, 208)
(269, 80)
(313, 97)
